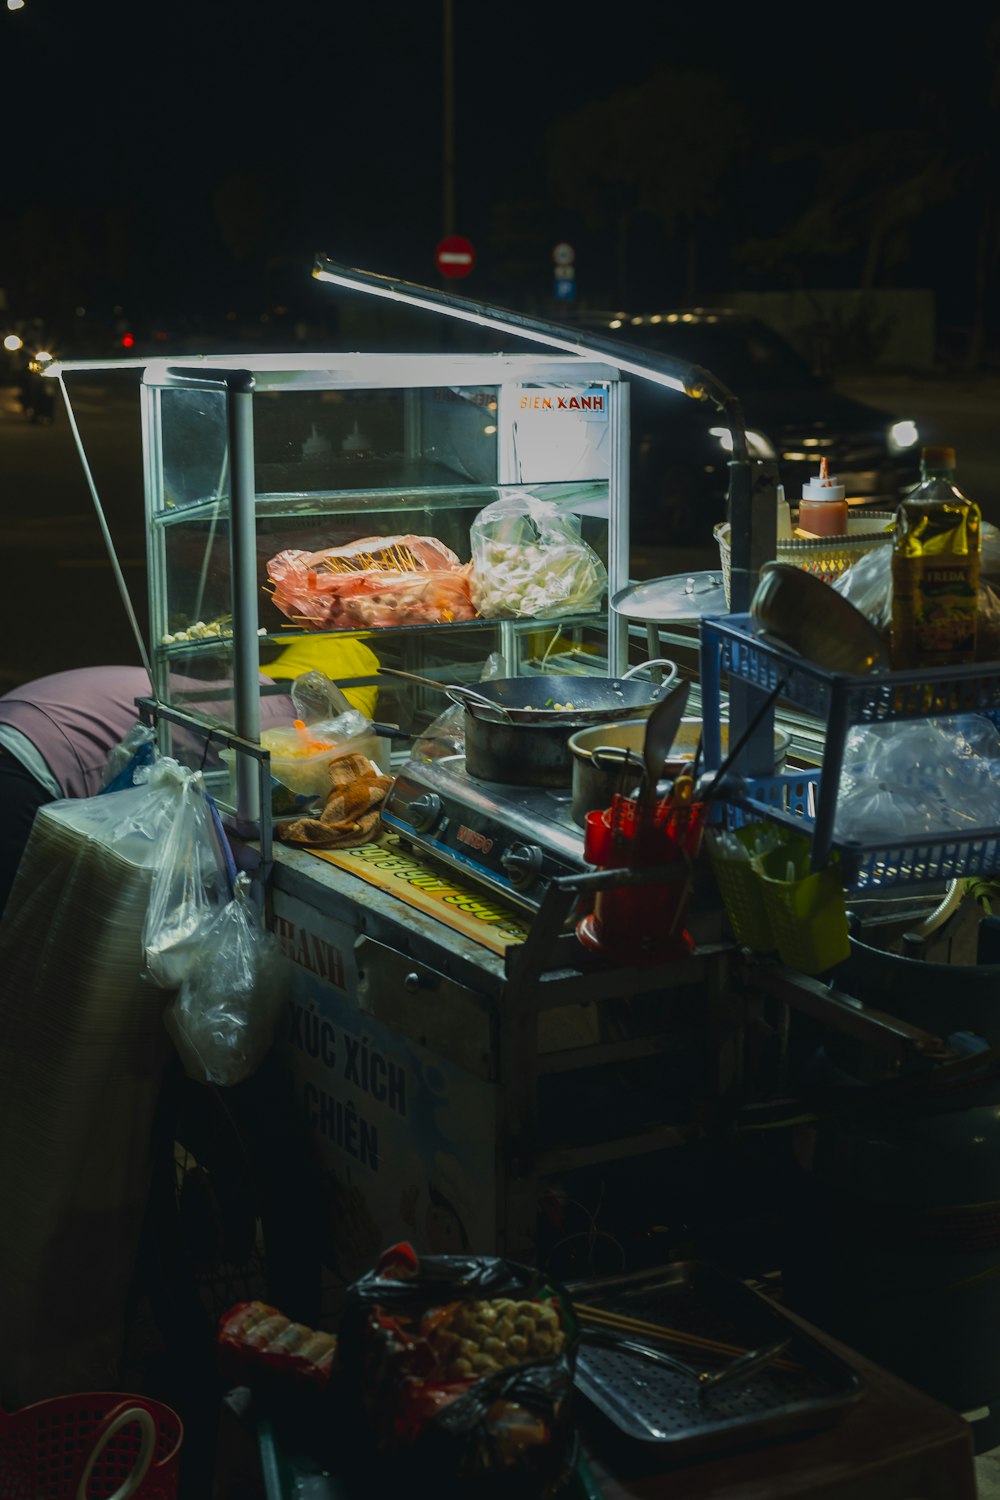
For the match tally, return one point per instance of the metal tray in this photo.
(806, 1389)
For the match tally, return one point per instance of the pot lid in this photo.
(684, 596)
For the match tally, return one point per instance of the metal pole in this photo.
(242, 541)
(448, 101)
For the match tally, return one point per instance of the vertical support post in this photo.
(619, 525)
(753, 539)
(243, 563)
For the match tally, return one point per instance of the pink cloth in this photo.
(75, 719)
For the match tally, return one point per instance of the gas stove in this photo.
(511, 839)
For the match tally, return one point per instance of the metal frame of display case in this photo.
(239, 380)
(320, 372)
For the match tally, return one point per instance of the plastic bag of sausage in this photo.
(462, 1367)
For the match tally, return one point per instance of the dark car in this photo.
(680, 447)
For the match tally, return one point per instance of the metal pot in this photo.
(616, 767)
(606, 761)
(513, 735)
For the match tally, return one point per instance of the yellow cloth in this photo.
(351, 813)
(336, 656)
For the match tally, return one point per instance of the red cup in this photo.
(641, 923)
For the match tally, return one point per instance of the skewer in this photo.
(394, 559)
(626, 1324)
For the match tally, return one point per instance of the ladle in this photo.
(457, 692)
(661, 731)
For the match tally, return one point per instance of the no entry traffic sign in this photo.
(455, 256)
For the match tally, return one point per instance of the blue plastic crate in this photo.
(871, 698)
(808, 799)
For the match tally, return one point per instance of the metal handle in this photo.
(656, 661)
(614, 758)
(468, 698)
(747, 1364)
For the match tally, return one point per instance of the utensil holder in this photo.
(641, 923)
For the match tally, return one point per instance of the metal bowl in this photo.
(798, 612)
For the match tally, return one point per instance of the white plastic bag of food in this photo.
(223, 1017)
(529, 559)
(192, 882)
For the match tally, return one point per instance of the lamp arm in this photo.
(659, 369)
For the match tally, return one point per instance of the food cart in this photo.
(430, 1028)
(474, 1066)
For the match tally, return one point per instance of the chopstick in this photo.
(604, 1317)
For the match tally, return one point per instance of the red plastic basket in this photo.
(99, 1445)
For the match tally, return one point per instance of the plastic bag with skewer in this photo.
(374, 582)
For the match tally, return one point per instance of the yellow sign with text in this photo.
(432, 889)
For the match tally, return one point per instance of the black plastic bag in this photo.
(508, 1432)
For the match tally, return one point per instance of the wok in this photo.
(589, 700)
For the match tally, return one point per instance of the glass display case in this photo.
(323, 510)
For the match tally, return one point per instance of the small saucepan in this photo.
(607, 760)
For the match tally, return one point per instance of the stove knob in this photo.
(522, 864)
(425, 811)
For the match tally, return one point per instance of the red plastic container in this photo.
(98, 1445)
(638, 924)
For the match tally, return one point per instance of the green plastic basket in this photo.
(740, 885)
(775, 903)
(805, 908)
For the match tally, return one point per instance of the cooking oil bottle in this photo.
(935, 569)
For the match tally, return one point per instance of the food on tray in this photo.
(375, 582)
(418, 1364)
(471, 1339)
(255, 1340)
(202, 631)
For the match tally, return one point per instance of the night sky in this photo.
(184, 159)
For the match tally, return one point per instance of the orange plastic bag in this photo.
(373, 582)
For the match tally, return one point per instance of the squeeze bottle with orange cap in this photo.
(823, 508)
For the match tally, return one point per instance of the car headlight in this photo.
(757, 444)
(902, 435)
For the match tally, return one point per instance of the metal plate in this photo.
(807, 1389)
(686, 596)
